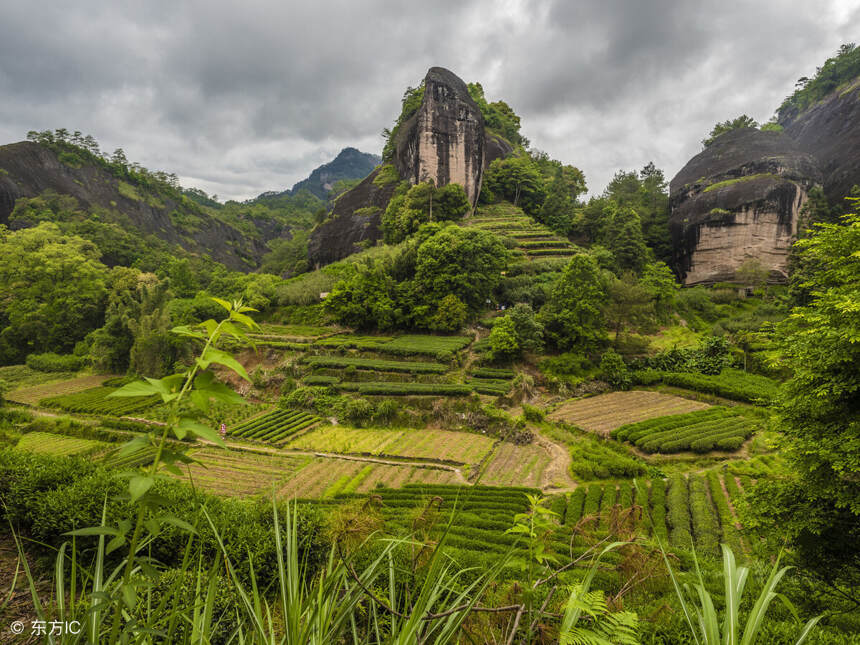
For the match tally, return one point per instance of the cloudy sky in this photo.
(238, 98)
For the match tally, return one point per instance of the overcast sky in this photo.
(239, 98)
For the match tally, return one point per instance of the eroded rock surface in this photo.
(739, 199)
(830, 131)
(354, 221)
(444, 140)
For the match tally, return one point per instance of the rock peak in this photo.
(443, 141)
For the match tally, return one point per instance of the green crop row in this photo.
(406, 389)
(658, 510)
(408, 345)
(412, 367)
(492, 373)
(96, 401)
(141, 457)
(568, 251)
(544, 244)
(353, 341)
(706, 526)
(729, 384)
(596, 459)
(724, 512)
(700, 431)
(319, 379)
(678, 515)
(274, 426)
(633, 431)
(492, 387)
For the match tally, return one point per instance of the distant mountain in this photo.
(349, 164)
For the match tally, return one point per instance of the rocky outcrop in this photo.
(444, 140)
(830, 131)
(28, 169)
(739, 199)
(354, 220)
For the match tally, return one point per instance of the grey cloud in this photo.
(242, 98)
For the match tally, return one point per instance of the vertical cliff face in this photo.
(830, 131)
(444, 140)
(739, 199)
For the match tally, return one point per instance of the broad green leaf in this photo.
(186, 330)
(200, 430)
(114, 544)
(129, 597)
(212, 355)
(136, 388)
(138, 486)
(223, 303)
(178, 523)
(249, 322)
(94, 530)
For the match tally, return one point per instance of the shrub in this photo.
(51, 362)
(614, 371)
(533, 414)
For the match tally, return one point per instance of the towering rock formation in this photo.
(739, 199)
(830, 130)
(443, 141)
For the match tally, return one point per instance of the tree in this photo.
(503, 340)
(422, 203)
(365, 300)
(751, 273)
(658, 279)
(518, 180)
(817, 508)
(111, 344)
(623, 236)
(573, 318)
(743, 121)
(52, 291)
(464, 262)
(451, 315)
(628, 306)
(557, 209)
(452, 203)
(529, 331)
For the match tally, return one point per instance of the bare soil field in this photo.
(605, 412)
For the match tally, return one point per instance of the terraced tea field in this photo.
(411, 367)
(681, 511)
(275, 426)
(59, 445)
(408, 345)
(34, 394)
(325, 478)
(532, 239)
(715, 428)
(606, 412)
(97, 400)
(239, 473)
(443, 445)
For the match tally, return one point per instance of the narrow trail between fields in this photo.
(558, 470)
